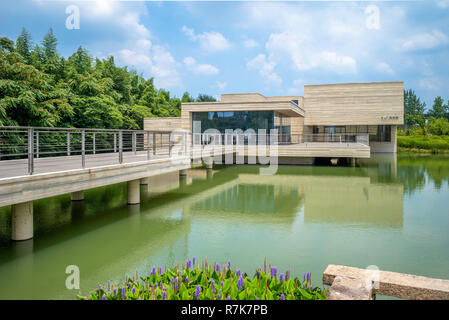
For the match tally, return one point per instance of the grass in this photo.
(423, 144)
(210, 282)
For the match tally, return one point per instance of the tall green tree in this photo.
(439, 109)
(6, 44)
(413, 109)
(187, 98)
(205, 98)
(23, 44)
(49, 44)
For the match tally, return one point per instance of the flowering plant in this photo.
(210, 282)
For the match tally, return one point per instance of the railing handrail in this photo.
(90, 129)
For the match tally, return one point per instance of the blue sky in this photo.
(269, 47)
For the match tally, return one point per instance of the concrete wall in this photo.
(385, 147)
(354, 103)
(162, 124)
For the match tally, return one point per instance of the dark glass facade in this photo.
(222, 120)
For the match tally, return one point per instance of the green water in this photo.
(392, 213)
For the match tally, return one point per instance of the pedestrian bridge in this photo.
(37, 163)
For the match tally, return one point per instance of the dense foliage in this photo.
(38, 87)
(210, 282)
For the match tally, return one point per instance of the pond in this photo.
(391, 212)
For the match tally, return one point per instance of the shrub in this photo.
(438, 126)
(424, 142)
(210, 282)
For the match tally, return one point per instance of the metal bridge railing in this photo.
(276, 139)
(32, 143)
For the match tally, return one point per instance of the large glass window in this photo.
(384, 133)
(235, 120)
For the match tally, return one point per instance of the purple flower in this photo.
(229, 298)
(287, 275)
(219, 297)
(103, 297)
(153, 271)
(134, 290)
(109, 284)
(229, 264)
(197, 292)
(123, 293)
(129, 284)
(187, 279)
(164, 295)
(176, 284)
(274, 271)
(217, 268)
(281, 277)
(159, 270)
(222, 283)
(308, 276)
(257, 298)
(237, 273)
(193, 260)
(212, 283)
(115, 291)
(188, 264)
(180, 273)
(240, 282)
(282, 297)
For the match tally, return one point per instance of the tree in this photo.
(40, 88)
(413, 109)
(6, 44)
(438, 126)
(439, 109)
(23, 44)
(187, 98)
(205, 98)
(81, 61)
(49, 44)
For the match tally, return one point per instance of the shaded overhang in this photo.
(285, 107)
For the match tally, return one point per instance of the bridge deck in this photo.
(15, 168)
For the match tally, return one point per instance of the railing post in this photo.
(169, 145)
(154, 143)
(185, 143)
(83, 148)
(115, 142)
(30, 150)
(148, 146)
(37, 144)
(68, 143)
(93, 142)
(134, 142)
(120, 146)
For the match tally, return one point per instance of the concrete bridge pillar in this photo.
(145, 181)
(22, 221)
(183, 173)
(134, 191)
(209, 162)
(77, 196)
(352, 161)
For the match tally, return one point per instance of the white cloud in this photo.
(425, 40)
(164, 68)
(429, 84)
(250, 43)
(220, 85)
(210, 41)
(204, 69)
(293, 46)
(443, 3)
(384, 68)
(265, 68)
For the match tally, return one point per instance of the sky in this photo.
(273, 48)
